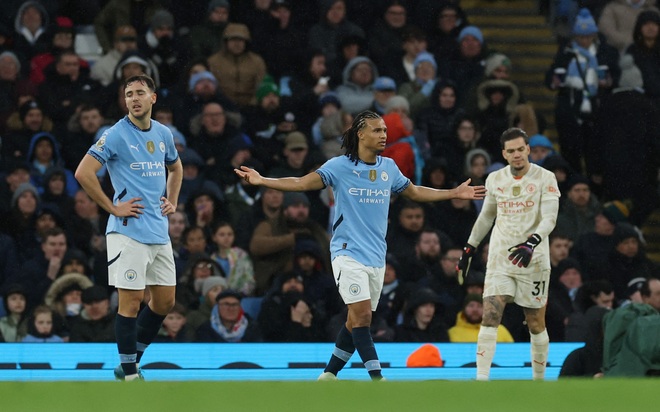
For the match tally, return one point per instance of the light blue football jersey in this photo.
(137, 161)
(362, 201)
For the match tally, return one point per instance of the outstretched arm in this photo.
(427, 194)
(311, 181)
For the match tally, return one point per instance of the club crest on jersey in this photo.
(516, 190)
(383, 176)
(354, 289)
(151, 147)
(101, 141)
(161, 146)
(531, 188)
(130, 275)
(372, 175)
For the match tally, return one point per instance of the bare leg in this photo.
(492, 317)
(539, 340)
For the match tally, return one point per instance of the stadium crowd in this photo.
(272, 84)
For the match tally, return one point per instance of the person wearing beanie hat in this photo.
(615, 212)
(206, 38)
(418, 91)
(162, 19)
(472, 31)
(578, 208)
(468, 322)
(583, 70)
(618, 21)
(498, 66)
(239, 71)
(200, 76)
(228, 322)
(266, 88)
(358, 249)
(540, 148)
(211, 282)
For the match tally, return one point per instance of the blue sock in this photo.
(126, 335)
(148, 324)
(365, 347)
(342, 352)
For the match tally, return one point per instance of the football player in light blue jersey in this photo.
(362, 183)
(138, 152)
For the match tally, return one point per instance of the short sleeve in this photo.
(104, 148)
(399, 181)
(171, 154)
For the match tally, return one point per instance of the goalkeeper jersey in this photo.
(518, 204)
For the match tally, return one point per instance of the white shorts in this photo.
(357, 282)
(134, 265)
(529, 290)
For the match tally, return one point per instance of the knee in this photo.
(361, 319)
(535, 324)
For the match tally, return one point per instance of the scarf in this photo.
(236, 333)
(582, 74)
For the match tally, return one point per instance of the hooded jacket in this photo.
(37, 176)
(355, 98)
(618, 21)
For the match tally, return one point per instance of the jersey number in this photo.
(539, 288)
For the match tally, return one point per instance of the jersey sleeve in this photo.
(171, 154)
(399, 181)
(328, 172)
(105, 147)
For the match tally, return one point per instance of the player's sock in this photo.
(539, 346)
(365, 347)
(126, 334)
(485, 351)
(148, 325)
(344, 349)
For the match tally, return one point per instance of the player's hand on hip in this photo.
(463, 265)
(465, 191)
(129, 208)
(166, 208)
(251, 176)
(521, 254)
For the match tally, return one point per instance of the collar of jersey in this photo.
(135, 126)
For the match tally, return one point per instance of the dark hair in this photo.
(142, 78)
(65, 52)
(350, 136)
(591, 289)
(513, 133)
(56, 231)
(645, 290)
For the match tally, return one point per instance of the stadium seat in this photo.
(251, 306)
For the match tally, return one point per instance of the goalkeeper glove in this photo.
(463, 264)
(521, 254)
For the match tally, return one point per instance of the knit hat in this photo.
(472, 297)
(585, 24)
(12, 56)
(494, 61)
(266, 88)
(384, 83)
(421, 297)
(294, 198)
(295, 140)
(576, 179)
(329, 98)
(427, 356)
(397, 102)
(624, 231)
(93, 294)
(308, 246)
(205, 75)
(615, 211)
(425, 57)
(214, 4)
(471, 31)
(26, 107)
(538, 140)
(566, 264)
(635, 285)
(24, 187)
(228, 293)
(631, 76)
(212, 281)
(238, 143)
(162, 18)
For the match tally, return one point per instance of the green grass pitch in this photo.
(557, 396)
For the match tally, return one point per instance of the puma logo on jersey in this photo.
(499, 189)
(356, 173)
(136, 147)
(482, 353)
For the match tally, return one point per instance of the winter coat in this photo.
(37, 177)
(464, 331)
(238, 76)
(617, 21)
(354, 98)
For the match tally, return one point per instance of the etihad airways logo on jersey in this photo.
(515, 206)
(378, 196)
(149, 169)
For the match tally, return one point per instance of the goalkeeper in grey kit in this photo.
(522, 199)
